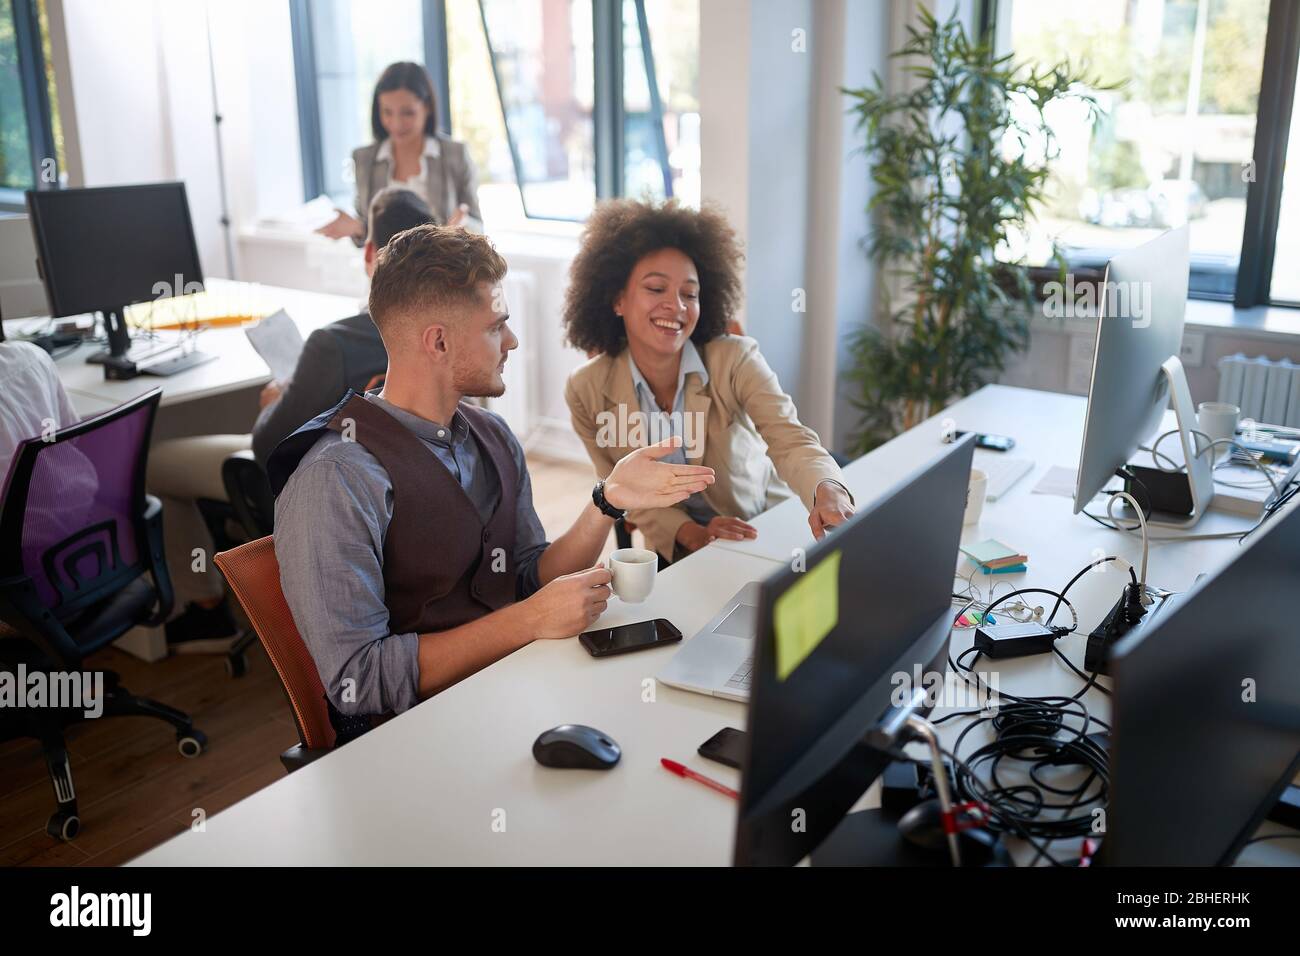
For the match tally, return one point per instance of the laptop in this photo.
(719, 660)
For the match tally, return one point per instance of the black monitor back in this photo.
(1207, 710)
(806, 763)
(103, 248)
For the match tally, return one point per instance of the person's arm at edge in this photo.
(794, 448)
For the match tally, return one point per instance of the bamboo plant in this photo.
(956, 163)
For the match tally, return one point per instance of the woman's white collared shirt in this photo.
(419, 183)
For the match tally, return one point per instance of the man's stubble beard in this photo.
(474, 385)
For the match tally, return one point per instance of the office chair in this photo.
(81, 563)
(252, 506)
(249, 493)
(254, 576)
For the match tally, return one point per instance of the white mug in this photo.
(1219, 421)
(975, 492)
(632, 572)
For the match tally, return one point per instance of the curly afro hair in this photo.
(619, 233)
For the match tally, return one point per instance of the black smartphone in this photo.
(991, 442)
(629, 637)
(727, 747)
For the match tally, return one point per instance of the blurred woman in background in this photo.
(409, 152)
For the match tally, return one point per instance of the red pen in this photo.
(684, 771)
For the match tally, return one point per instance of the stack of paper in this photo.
(994, 557)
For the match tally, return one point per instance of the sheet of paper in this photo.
(1057, 481)
(806, 613)
(279, 342)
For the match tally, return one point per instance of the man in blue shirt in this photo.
(410, 553)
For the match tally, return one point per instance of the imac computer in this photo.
(873, 600)
(1136, 375)
(1136, 369)
(103, 249)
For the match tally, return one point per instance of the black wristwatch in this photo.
(598, 496)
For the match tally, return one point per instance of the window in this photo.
(544, 68)
(554, 110)
(31, 142)
(661, 134)
(1177, 141)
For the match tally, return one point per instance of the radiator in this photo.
(1265, 390)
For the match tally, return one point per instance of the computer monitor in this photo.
(874, 599)
(1139, 332)
(1207, 710)
(103, 249)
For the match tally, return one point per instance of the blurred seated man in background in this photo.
(347, 354)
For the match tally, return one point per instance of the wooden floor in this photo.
(134, 789)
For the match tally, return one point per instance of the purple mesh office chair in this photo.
(81, 563)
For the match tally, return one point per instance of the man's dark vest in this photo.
(443, 567)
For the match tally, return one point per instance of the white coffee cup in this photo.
(633, 573)
(975, 493)
(1219, 421)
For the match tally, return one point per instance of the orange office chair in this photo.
(254, 576)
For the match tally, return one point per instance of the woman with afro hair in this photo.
(652, 298)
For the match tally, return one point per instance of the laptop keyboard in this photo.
(744, 676)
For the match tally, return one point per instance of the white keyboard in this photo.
(1003, 472)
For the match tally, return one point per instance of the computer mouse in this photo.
(573, 746)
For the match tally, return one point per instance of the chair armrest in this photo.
(153, 535)
(298, 756)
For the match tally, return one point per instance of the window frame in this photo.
(1272, 127)
(36, 101)
(608, 114)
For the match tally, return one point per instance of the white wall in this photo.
(779, 156)
(135, 82)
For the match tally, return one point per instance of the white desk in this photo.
(423, 788)
(426, 787)
(237, 366)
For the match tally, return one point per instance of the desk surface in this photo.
(428, 786)
(237, 365)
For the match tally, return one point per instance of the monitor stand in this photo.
(873, 838)
(114, 358)
(119, 338)
(1200, 468)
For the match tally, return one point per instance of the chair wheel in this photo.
(236, 664)
(63, 825)
(191, 744)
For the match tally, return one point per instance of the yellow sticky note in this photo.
(806, 613)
